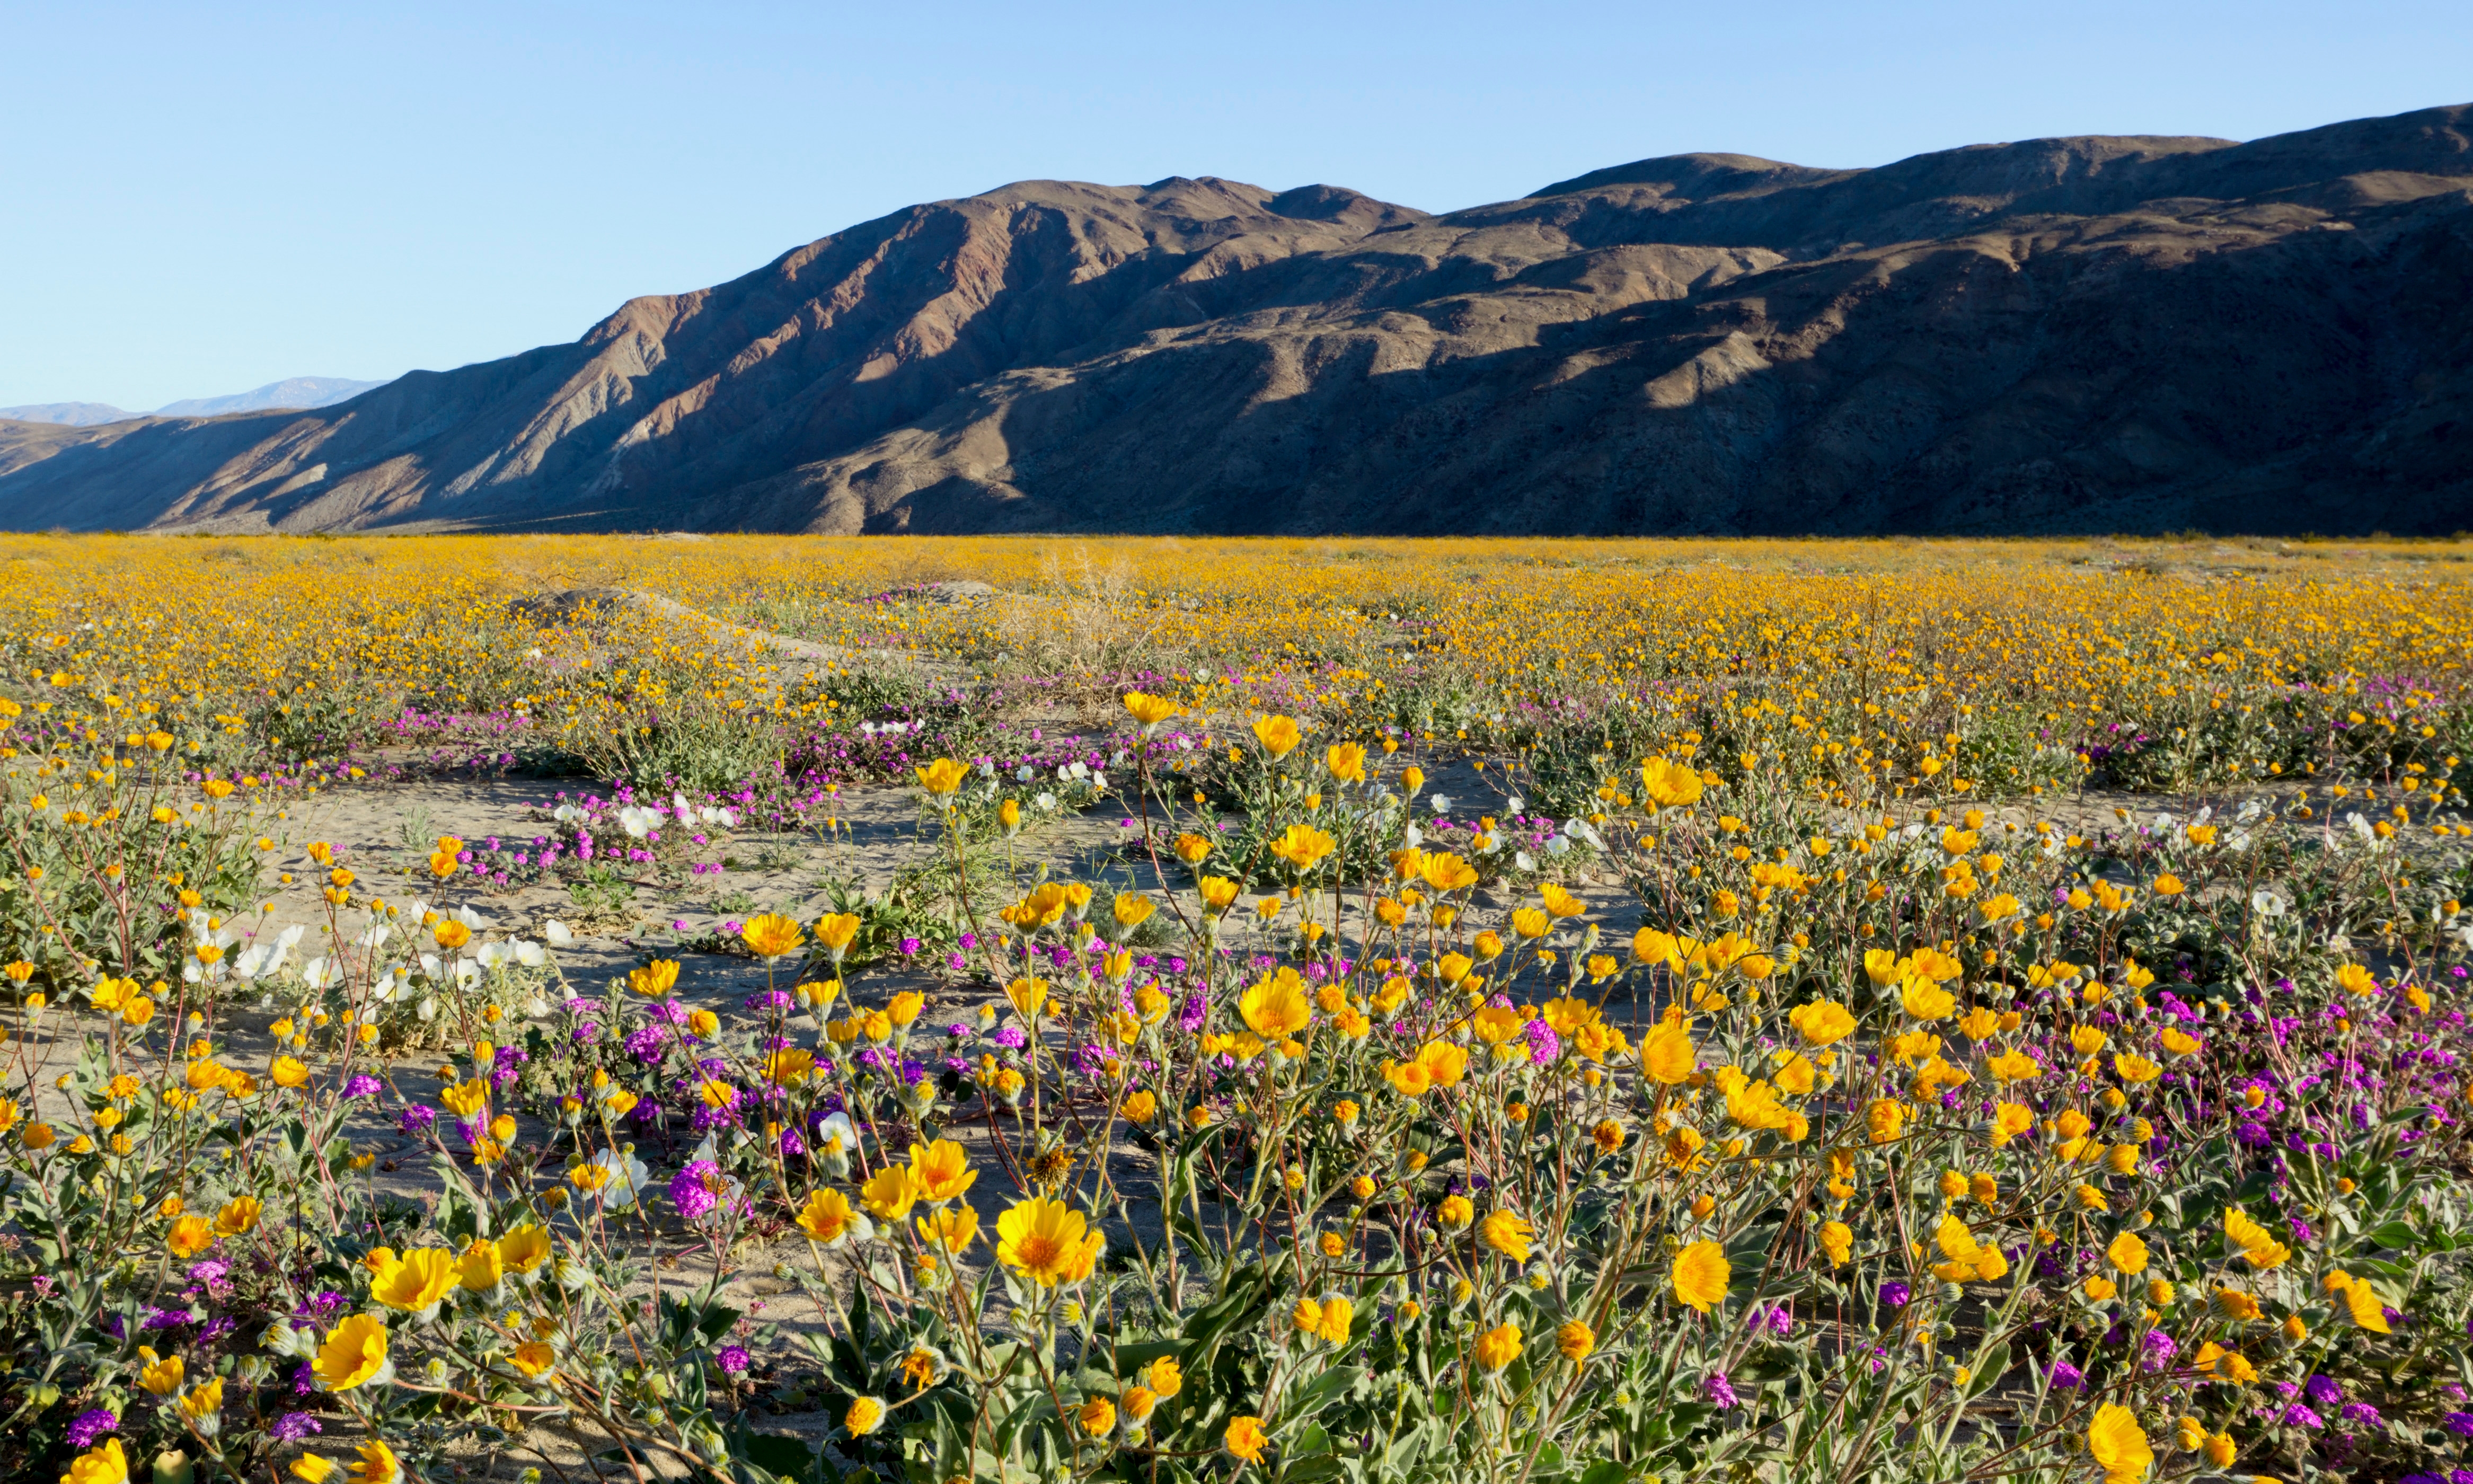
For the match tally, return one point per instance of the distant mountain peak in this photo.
(302, 393)
(75, 415)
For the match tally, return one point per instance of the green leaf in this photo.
(778, 1453)
(1309, 1397)
(716, 1321)
(2397, 1235)
(1988, 1367)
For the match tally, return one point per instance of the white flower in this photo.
(2267, 904)
(637, 821)
(1046, 801)
(1523, 860)
(1515, 805)
(427, 1009)
(223, 937)
(467, 973)
(537, 1007)
(1024, 773)
(1099, 781)
(1441, 803)
(1415, 837)
(567, 814)
(530, 954)
(558, 934)
(1556, 845)
(1583, 830)
(494, 954)
(835, 1137)
(320, 973)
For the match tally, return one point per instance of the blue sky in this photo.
(197, 199)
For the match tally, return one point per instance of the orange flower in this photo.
(771, 935)
(1277, 734)
(941, 776)
(1151, 710)
(1702, 1276)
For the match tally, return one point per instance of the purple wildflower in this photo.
(701, 1188)
(2161, 1348)
(1544, 1045)
(1720, 1391)
(90, 1425)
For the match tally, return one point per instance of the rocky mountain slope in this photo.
(2106, 333)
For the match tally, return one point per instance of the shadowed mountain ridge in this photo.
(2103, 332)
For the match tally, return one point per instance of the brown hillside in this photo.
(2088, 333)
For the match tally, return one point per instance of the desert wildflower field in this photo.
(915, 1010)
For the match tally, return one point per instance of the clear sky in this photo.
(199, 199)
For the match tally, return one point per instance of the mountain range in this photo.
(2102, 333)
(293, 392)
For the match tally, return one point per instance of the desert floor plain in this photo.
(926, 1009)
